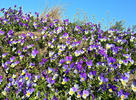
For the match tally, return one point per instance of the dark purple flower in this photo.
(65, 80)
(112, 88)
(72, 65)
(66, 22)
(111, 60)
(89, 63)
(10, 33)
(103, 52)
(50, 81)
(44, 60)
(61, 61)
(54, 98)
(79, 67)
(68, 59)
(102, 79)
(25, 49)
(103, 87)
(51, 24)
(36, 13)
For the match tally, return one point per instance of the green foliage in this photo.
(46, 59)
(119, 25)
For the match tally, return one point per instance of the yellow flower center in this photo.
(89, 66)
(71, 92)
(110, 90)
(82, 79)
(134, 89)
(123, 82)
(28, 94)
(101, 83)
(68, 62)
(122, 96)
(63, 82)
(26, 78)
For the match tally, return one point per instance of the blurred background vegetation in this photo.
(80, 17)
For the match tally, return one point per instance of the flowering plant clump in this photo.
(49, 60)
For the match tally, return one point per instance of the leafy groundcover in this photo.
(48, 59)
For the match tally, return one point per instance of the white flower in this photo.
(71, 92)
(123, 82)
(133, 86)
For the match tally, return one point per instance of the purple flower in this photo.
(28, 83)
(102, 79)
(43, 61)
(34, 53)
(103, 52)
(79, 94)
(115, 50)
(92, 47)
(51, 24)
(74, 89)
(4, 55)
(122, 95)
(85, 94)
(29, 92)
(108, 46)
(65, 80)
(72, 65)
(124, 79)
(65, 35)
(68, 59)
(36, 13)
(103, 87)
(14, 64)
(31, 65)
(125, 62)
(23, 36)
(111, 60)
(30, 46)
(10, 33)
(79, 67)
(77, 28)
(61, 62)
(1, 79)
(2, 32)
(66, 22)
(25, 49)
(54, 98)
(50, 81)
(112, 88)
(77, 53)
(23, 72)
(67, 42)
(12, 58)
(89, 63)
(92, 74)
(83, 77)
(19, 52)
(35, 25)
